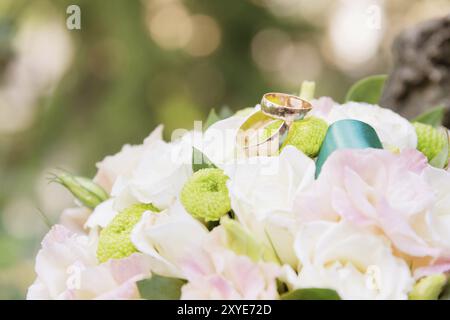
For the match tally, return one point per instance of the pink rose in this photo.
(67, 268)
(397, 194)
(215, 272)
(75, 218)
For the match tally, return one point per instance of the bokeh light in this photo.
(171, 26)
(355, 32)
(205, 37)
(43, 53)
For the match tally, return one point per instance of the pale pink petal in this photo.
(126, 291)
(438, 267)
(74, 219)
(402, 234)
(321, 107)
(374, 187)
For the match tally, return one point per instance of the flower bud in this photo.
(307, 90)
(85, 190)
(428, 288)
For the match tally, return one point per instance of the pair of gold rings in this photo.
(263, 131)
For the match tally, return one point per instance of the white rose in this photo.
(393, 130)
(352, 261)
(166, 237)
(262, 192)
(218, 142)
(157, 178)
(123, 162)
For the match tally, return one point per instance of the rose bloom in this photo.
(74, 219)
(215, 272)
(67, 268)
(398, 195)
(157, 178)
(262, 192)
(166, 237)
(355, 263)
(123, 162)
(218, 142)
(394, 131)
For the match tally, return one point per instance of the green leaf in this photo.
(200, 160)
(445, 295)
(441, 159)
(211, 224)
(311, 294)
(212, 118)
(160, 288)
(225, 112)
(367, 90)
(243, 243)
(432, 117)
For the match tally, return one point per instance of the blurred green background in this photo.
(70, 97)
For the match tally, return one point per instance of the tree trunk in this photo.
(420, 78)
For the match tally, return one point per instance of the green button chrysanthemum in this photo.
(114, 241)
(307, 135)
(205, 194)
(430, 141)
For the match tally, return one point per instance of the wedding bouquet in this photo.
(296, 198)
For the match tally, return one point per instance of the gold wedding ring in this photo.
(284, 106)
(260, 135)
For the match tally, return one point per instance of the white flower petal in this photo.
(102, 215)
(167, 237)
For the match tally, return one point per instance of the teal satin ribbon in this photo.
(347, 134)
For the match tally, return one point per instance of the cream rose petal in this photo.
(102, 215)
(166, 237)
(262, 192)
(157, 178)
(123, 162)
(219, 140)
(393, 130)
(350, 260)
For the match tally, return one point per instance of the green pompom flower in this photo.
(430, 140)
(307, 135)
(114, 241)
(205, 194)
